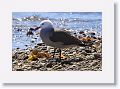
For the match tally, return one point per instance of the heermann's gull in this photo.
(57, 38)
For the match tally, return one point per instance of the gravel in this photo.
(74, 59)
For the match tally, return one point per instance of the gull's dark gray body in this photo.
(65, 38)
(59, 38)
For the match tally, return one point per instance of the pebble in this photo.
(29, 33)
(87, 50)
(49, 65)
(97, 55)
(32, 40)
(44, 48)
(90, 57)
(49, 69)
(40, 44)
(19, 64)
(94, 63)
(84, 53)
(57, 67)
(19, 69)
(29, 68)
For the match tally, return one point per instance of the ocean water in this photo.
(73, 21)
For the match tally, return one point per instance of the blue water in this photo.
(70, 20)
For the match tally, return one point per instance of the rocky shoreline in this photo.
(29, 55)
(40, 58)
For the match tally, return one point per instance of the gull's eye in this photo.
(42, 24)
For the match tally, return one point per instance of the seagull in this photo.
(57, 38)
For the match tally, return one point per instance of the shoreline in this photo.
(40, 58)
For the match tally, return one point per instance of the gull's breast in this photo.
(48, 42)
(45, 36)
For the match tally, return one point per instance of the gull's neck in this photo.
(46, 32)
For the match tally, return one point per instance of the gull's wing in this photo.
(63, 30)
(65, 38)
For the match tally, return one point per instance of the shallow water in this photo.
(73, 21)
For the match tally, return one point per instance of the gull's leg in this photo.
(60, 54)
(54, 52)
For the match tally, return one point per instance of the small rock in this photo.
(43, 69)
(90, 57)
(37, 66)
(19, 64)
(40, 44)
(29, 33)
(14, 62)
(19, 29)
(42, 64)
(66, 62)
(49, 65)
(88, 50)
(49, 69)
(84, 53)
(32, 40)
(56, 67)
(29, 68)
(97, 55)
(81, 32)
(25, 69)
(25, 66)
(35, 70)
(36, 46)
(17, 48)
(19, 69)
(22, 56)
(33, 62)
(94, 63)
(44, 48)
(73, 67)
(26, 45)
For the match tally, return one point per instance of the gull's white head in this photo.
(46, 24)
